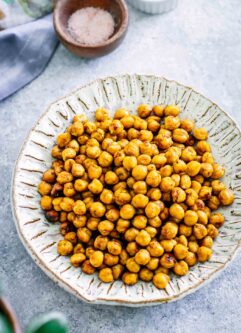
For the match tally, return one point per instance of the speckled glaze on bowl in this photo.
(40, 237)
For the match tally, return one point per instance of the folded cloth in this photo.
(24, 52)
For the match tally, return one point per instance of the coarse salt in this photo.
(91, 25)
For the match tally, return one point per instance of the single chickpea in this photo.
(106, 275)
(196, 186)
(200, 133)
(178, 195)
(117, 270)
(143, 238)
(139, 172)
(146, 275)
(161, 280)
(153, 264)
(107, 196)
(77, 170)
(180, 251)
(187, 125)
(130, 234)
(171, 122)
(116, 127)
(44, 188)
(199, 231)
(139, 201)
(158, 110)
(154, 194)
(204, 253)
(212, 231)
(169, 230)
(68, 164)
(213, 202)
(166, 171)
(114, 247)
(202, 217)
(131, 149)
(63, 139)
(203, 147)
(105, 159)
(105, 227)
(172, 110)
(122, 197)
(67, 204)
(181, 268)
(129, 162)
(132, 248)
(49, 176)
(95, 186)
(207, 242)
(56, 152)
(191, 197)
(64, 177)
(114, 148)
(79, 248)
(140, 187)
(180, 135)
(112, 214)
(153, 209)
(218, 171)
(155, 249)
(193, 168)
(77, 258)
(139, 123)
(217, 219)
(142, 257)
(55, 202)
(144, 110)
(101, 242)
(185, 182)
(110, 259)
(101, 114)
(163, 141)
(206, 170)
(226, 197)
(132, 265)
(139, 221)
(65, 247)
(96, 258)
(205, 193)
(208, 158)
(168, 260)
(176, 178)
(78, 221)
(144, 159)
(191, 259)
(122, 173)
(127, 122)
(217, 186)
(130, 278)
(84, 234)
(68, 153)
(120, 113)
(79, 207)
(87, 268)
(167, 184)
(127, 212)
(177, 211)
(190, 217)
(188, 154)
(98, 135)
(145, 135)
(153, 178)
(179, 166)
(77, 128)
(97, 209)
(92, 223)
(155, 222)
(185, 230)
(88, 162)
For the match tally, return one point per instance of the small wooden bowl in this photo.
(65, 8)
(6, 309)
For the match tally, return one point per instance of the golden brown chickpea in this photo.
(179, 166)
(56, 152)
(185, 182)
(161, 280)
(96, 258)
(98, 135)
(68, 164)
(153, 209)
(139, 221)
(178, 195)
(68, 153)
(139, 201)
(139, 123)
(67, 204)
(49, 176)
(78, 170)
(117, 270)
(153, 178)
(79, 221)
(193, 168)
(63, 139)
(190, 217)
(151, 231)
(180, 251)
(71, 237)
(169, 230)
(226, 197)
(110, 259)
(143, 238)
(200, 231)
(116, 127)
(87, 268)
(163, 141)
(64, 177)
(129, 162)
(171, 110)
(101, 114)
(144, 110)
(105, 227)
(132, 248)
(114, 148)
(88, 162)
(139, 172)
(79, 248)
(105, 159)
(153, 264)
(191, 197)
(106, 275)
(188, 154)
(107, 196)
(196, 186)
(168, 260)
(77, 258)
(127, 121)
(180, 135)
(142, 257)
(55, 202)
(114, 247)
(65, 247)
(193, 246)
(127, 212)
(171, 122)
(159, 160)
(92, 223)
(112, 214)
(154, 194)
(167, 184)
(140, 187)
(122, 173)
(132, 265)
(84, 234)
(120, 113)
(203, 147)
(44, 188)
(187, 125)
(101, 242)
(155, 249)
(202, 217)
(95, 186)
(181, 268)
(88, 202)
(122, 197)
(217, 186)
(155, 222)
(206, 170)
(185, 230)
(176, 178)
(200, 133)
(191, 259)
(213, 202)
(176, 211)
(146, 275)
(145, 135)
(104, 125)
(130, 278)
(207, 242)
(130, 234)
(205, 193)
(77, 128)
(97, 209)
(217, 219)
(218, 171)
(158, 110)
(79, 207)
(212, 231)
(132, 134)
(204, 253)
(131, 149)
(168, 245)
(208, 158)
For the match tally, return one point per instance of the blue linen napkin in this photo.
(24, 52)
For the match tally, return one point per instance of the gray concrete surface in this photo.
(198, 44)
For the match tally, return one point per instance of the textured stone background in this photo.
(198, 44)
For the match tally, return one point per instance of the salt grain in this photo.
(91, 25)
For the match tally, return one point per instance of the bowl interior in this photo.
(66, 8)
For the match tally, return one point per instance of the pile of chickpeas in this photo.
(136, 195)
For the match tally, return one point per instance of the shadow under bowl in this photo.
(6, 309)
(65, 8)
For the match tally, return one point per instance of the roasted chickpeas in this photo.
(136, 195)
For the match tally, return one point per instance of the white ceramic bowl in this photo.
(154, 6)
(40, 237)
